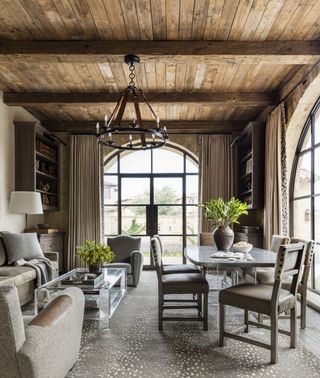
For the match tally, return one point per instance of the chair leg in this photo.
(205, 311)
(274, 338)
(221, 325)
(303, 317)
(160, 311)
(199, 298)
(246, 318)
(293, 327)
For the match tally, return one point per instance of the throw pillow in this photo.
(22, 246)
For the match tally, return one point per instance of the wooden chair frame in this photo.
(163, 303)
(310, 248)
(280, 271)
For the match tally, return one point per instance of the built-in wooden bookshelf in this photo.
(37, 162)
(250, 170)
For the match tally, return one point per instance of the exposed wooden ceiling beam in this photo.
(174, 127)
(38, 99)
(213, 52)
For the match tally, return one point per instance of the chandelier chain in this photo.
(132, 75)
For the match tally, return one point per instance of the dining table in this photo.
(201, 256)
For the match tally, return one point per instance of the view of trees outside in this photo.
(167, 196)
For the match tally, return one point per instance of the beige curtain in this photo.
(85, 216)
(216, 170)
(273, 214)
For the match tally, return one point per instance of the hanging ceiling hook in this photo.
(131, 60)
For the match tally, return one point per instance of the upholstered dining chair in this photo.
(174, 268)
(186, 283)
(206, 239)
(127, 249)
(268, 300)
(267, 274)
(303, 280)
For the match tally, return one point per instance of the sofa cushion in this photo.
(256, 298)
(3, 255)
(21, 246)
(184, 284)
(17, 275)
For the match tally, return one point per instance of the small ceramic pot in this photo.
(223, 236)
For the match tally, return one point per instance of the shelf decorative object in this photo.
(222, 214)
(112, 132)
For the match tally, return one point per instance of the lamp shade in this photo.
(25, 203)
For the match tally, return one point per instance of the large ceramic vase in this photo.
(95, 268)
(223, 236)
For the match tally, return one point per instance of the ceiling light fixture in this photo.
(112, 133)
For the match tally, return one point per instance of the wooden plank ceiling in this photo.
(46, 71)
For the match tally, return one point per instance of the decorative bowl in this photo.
(242, 247)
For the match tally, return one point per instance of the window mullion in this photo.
(312, 212)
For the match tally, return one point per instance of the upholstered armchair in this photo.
(128, 256)
(49, 345)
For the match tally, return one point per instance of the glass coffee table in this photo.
(101, 298)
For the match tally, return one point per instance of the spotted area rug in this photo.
(133, 347)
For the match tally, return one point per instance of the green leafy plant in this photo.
(223, 213)
(93, 253)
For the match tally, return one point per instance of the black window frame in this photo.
(309, 125)
(152, 176)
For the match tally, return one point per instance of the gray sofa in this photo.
(49, 345)
(23, 278)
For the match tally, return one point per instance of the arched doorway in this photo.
(153, 192)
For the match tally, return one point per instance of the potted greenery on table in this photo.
(94, 254)
(221, 214)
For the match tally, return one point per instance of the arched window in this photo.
(305, 189)
(153, 192)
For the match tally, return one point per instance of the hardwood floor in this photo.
(310, 337)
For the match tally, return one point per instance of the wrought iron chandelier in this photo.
(112, 133)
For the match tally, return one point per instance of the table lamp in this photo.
(25, 203)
